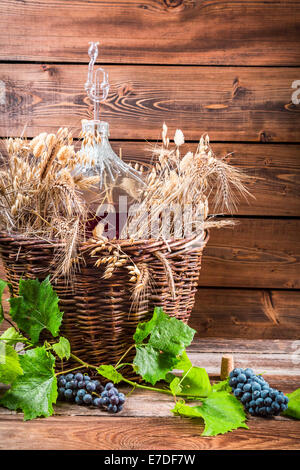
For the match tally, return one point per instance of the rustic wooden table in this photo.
(146, 421)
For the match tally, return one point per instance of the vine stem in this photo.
(67, 371)
(124, 355)
(129, 382)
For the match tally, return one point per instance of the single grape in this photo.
(114, 400)
(61, 392)
(120, 407)
(247, 387)
(87, 398)
(233, 381)
(112, 408)
(248, 372)
(268, 401)
(255, 386)
(109, 385)
(79, 377)
(275, 406)
(69, 377)
(81, 384)
(242, 378)
(90, 386)
(105, 401)
(236, 372)
(78, 400)
(68, 394)
(238, 392)
(97, 402)
(280, 399)
(121, 398)
(264, 394)
(62, 382)
(259, 402)
(86, 377)
(74, 384)
(81, 393)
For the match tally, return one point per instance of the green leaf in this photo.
(293, 409)
(62, 348)
(170, 335)
(110, 373)
(221, 412)
(144, 329)
(10, 367)
(152, 364)
(36, 308)
(222, 386)
(36, 390)
(3, 284)
(175, 386)
(184, 362)
(12, 336)
(196, 383)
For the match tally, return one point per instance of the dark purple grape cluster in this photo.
(82, 390)
(111, 399)
(255, 393)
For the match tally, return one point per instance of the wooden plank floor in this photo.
(146, 422)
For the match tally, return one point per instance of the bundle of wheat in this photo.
(184, 185)
(39, 195)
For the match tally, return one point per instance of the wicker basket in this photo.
(98, 319)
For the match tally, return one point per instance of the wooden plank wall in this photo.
(225, 68)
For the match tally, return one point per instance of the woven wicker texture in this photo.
(99, 319)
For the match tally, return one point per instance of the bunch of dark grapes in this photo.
(255, 393)
(82, 390)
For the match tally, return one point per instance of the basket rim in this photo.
(151, 244)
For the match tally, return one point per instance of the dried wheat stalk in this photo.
(183, 186)
(40, 197)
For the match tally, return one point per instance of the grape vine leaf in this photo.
(220, 411)
(36, 308)
(62, 348)
(12, 336)
(36, 390)
(170, 335)
(10, 367)
(293, 409)
(196, 383)
(166, 333)
(144, 329)
(152, 364)
(175, 386)
(184, 362)
(3, 284)
(110, 373)
(222, 386)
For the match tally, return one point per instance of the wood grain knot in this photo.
(237, 89)
(292, 107)
(265, 137)
(125, 90)
(171, 4)
(52, 71)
